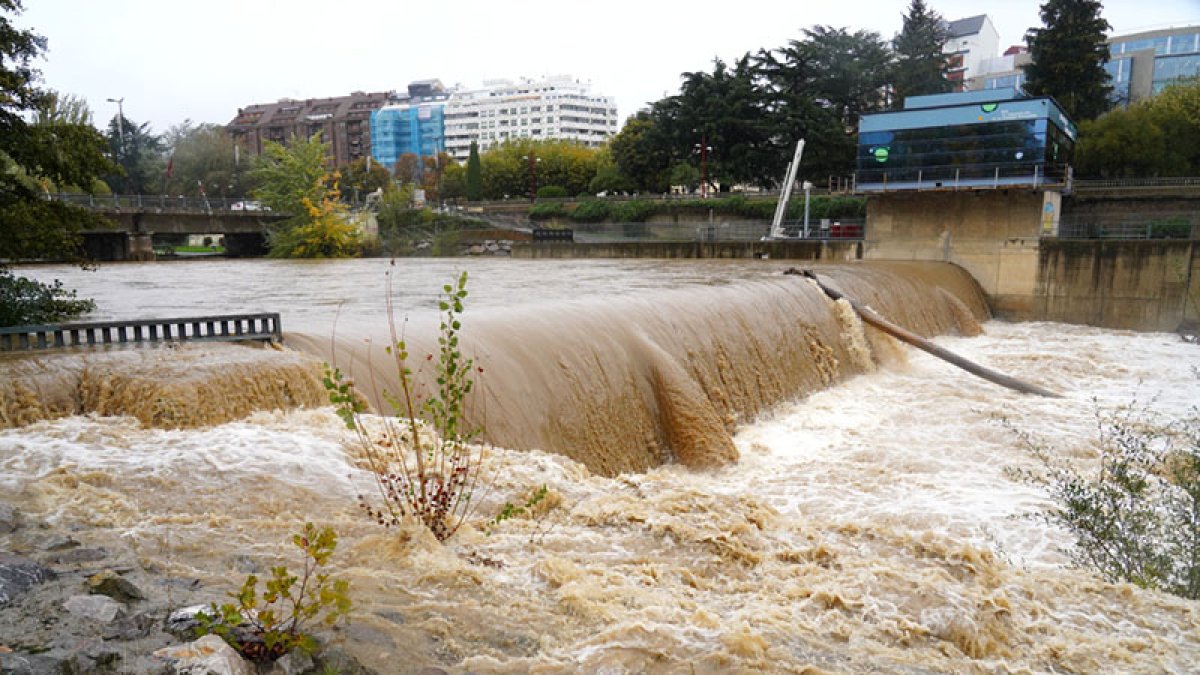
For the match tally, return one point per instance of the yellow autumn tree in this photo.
(293, 180)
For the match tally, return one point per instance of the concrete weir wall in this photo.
(997, 237)
(1138, 285)
(992, 234)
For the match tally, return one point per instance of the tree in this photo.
(920, 66)
(359, 179)
(293, 180)
(32, 158)
(139, 153)
(1069, 54)
(641, 150)
(1152, 138)
(202, 156)
(454, 181)
(474, 177)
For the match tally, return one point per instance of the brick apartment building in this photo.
(343, 121)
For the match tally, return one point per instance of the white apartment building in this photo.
(970, 42)
(557, 107)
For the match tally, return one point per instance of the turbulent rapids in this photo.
(853, 512)
(629, 384)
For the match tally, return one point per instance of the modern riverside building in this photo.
(970, 140)
(344, 122)
(557, 107)
(410, 123)
(1141, 64)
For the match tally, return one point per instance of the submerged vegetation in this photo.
(1135, 517)
(264, 628)
(424, 461)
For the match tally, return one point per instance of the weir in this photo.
(635, 382)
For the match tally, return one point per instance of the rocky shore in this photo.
(69, 606)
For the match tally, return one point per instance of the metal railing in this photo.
(223, 328)
(725, 231)
(1135, 183)
(1153, 226)
(160, 202)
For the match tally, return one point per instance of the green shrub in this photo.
(1134, 518)
(635, 211)
(25, 302)
(591, 211)
(267, 627)
(547, 211)
(431, 477)
(1177, 227)
(551, 192)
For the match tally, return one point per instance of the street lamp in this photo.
(704, 149)
(120, 118)
(532, 175)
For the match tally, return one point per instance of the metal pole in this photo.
(703, 167)
(807, 187)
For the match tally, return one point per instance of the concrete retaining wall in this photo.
(1138, 285)
(780, 250)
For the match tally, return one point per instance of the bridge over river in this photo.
(242, 223)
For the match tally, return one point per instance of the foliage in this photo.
(139, 154)
(454, 181)
(1069, 54)
(568, 165)
(920, 66)
(362, 177)
(202, 156)
(590, 211)
(633, 211)
(547, 211)
(551, 192)
(405, 230)
(58, 151)
(293, 180)
(474, 175)
(1136, 517)
(26, 302)
(510, 510)
(428, 476)
(1156, 137)
(267, 627)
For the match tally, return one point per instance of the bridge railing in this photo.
(720, 231)
(162, 202)
(222, 328)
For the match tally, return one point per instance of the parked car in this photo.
(248, 206)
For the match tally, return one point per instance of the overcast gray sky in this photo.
(173, 60)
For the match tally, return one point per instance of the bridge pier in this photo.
(246, 245)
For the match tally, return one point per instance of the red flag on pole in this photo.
(170, 166)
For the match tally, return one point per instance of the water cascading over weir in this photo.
(629, 383)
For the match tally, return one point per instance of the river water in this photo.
(865, 526)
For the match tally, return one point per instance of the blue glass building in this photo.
(399, 129)
(970, 140)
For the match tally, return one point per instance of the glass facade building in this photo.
(979, 139)
(397, 130)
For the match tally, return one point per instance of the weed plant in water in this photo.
(424, 461)
(1135, 517)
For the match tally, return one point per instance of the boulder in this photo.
(79, 555)
(207, 656)
(18, 575)
(294, 662)
(10, 519)
(114, 586)
(100, 608)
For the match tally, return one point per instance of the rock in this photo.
(131, 628)
(391, 615)
(114, 586)
(10, 518)
(95, 607)
(207, 656)
(79, 555)
(51, 663)
(182, 623)
(59, 543)
(18, 575)
(294, 662)
(337, 660)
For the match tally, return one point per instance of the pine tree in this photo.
(920, 66)
(474, 175)
(1069, 55)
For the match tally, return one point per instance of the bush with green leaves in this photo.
(1135, 516)
(267, 626)
(591, 211)
(423, 460)
(548, 211)
(26, 302)
(551, 192)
